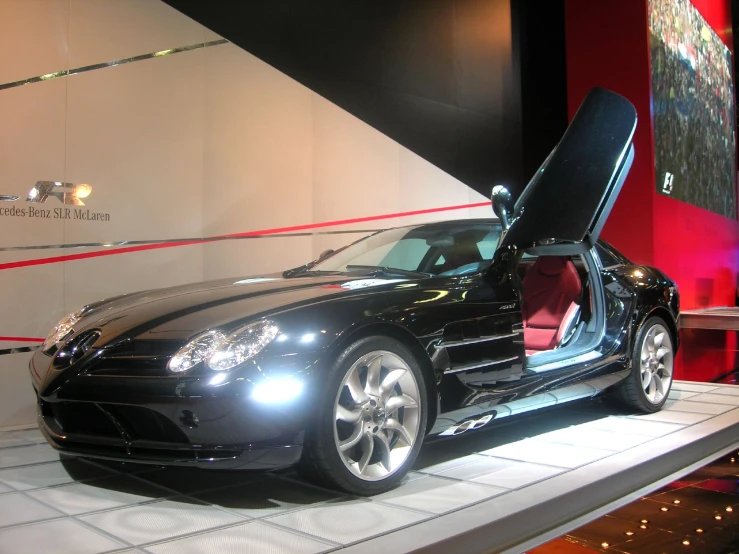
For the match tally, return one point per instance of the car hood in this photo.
(178, 313)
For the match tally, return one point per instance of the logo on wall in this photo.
(667, 183)
(69, 194)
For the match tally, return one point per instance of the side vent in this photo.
(468, 425)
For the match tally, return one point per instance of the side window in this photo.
(489, 244)
(439, 264)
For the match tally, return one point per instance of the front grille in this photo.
(75, 349)
(148, 455)
(80, 418)
(145, 424)
(128, 423)
(135, 357)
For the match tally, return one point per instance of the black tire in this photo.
(631, 392)
(323, 463)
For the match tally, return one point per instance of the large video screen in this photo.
(693, 108)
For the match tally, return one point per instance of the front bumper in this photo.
(169, 421)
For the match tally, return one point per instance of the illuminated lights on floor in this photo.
(664, 509)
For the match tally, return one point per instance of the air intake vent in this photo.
(75, 349)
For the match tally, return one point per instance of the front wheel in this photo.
(370, 420)
(647, 386)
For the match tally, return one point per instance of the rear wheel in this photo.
(649, 383)
(371, 419)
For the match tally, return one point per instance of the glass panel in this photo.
(453, 248)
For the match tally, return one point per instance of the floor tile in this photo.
(699, 407)
(103, 494)
(701, 499)
(713, 398)
(548, 453)
(9, 439)
(667, 416)
(159, 520)
(632, 426)
(5, 488)
(693, 387)
(717, 535)
(611, 530)
(49, 474)
(348, 521)
(266, 497)
(24, 455)
(729, 390)
(62, 536)
(567, 545)
(480, 465)
(655, 514)
(428, 466)
(722, 469)
(727, 484)
(663, 542)
(437, 495)
(518, 475)
(31, 435)
(254, 537)
(680, 394)
(594, 438)
(15, 508)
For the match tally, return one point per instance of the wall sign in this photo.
(69, 194)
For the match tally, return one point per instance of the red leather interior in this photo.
(550, 288)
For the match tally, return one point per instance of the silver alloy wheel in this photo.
(656, 363)
(376, 415)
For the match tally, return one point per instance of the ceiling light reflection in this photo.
(218, 379)
(275, 391)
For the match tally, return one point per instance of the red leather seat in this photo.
(551, 290)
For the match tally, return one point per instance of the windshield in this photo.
(440, 249)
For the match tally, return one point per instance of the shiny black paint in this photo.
(441, 320)
(592, 158)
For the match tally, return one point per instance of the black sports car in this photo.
(345, 365)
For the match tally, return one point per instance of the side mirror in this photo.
(502, 205)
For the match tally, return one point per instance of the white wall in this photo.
(201, 143)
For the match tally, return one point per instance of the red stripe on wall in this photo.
(127, 250)
(21, 339)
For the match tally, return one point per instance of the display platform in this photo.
(722, 318)
(505, 488)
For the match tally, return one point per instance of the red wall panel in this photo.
(608, 45)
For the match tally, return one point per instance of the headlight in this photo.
(197, 350)
(62, 329)
(222, 352)
(242, 344)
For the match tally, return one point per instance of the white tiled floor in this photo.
(48, 504)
